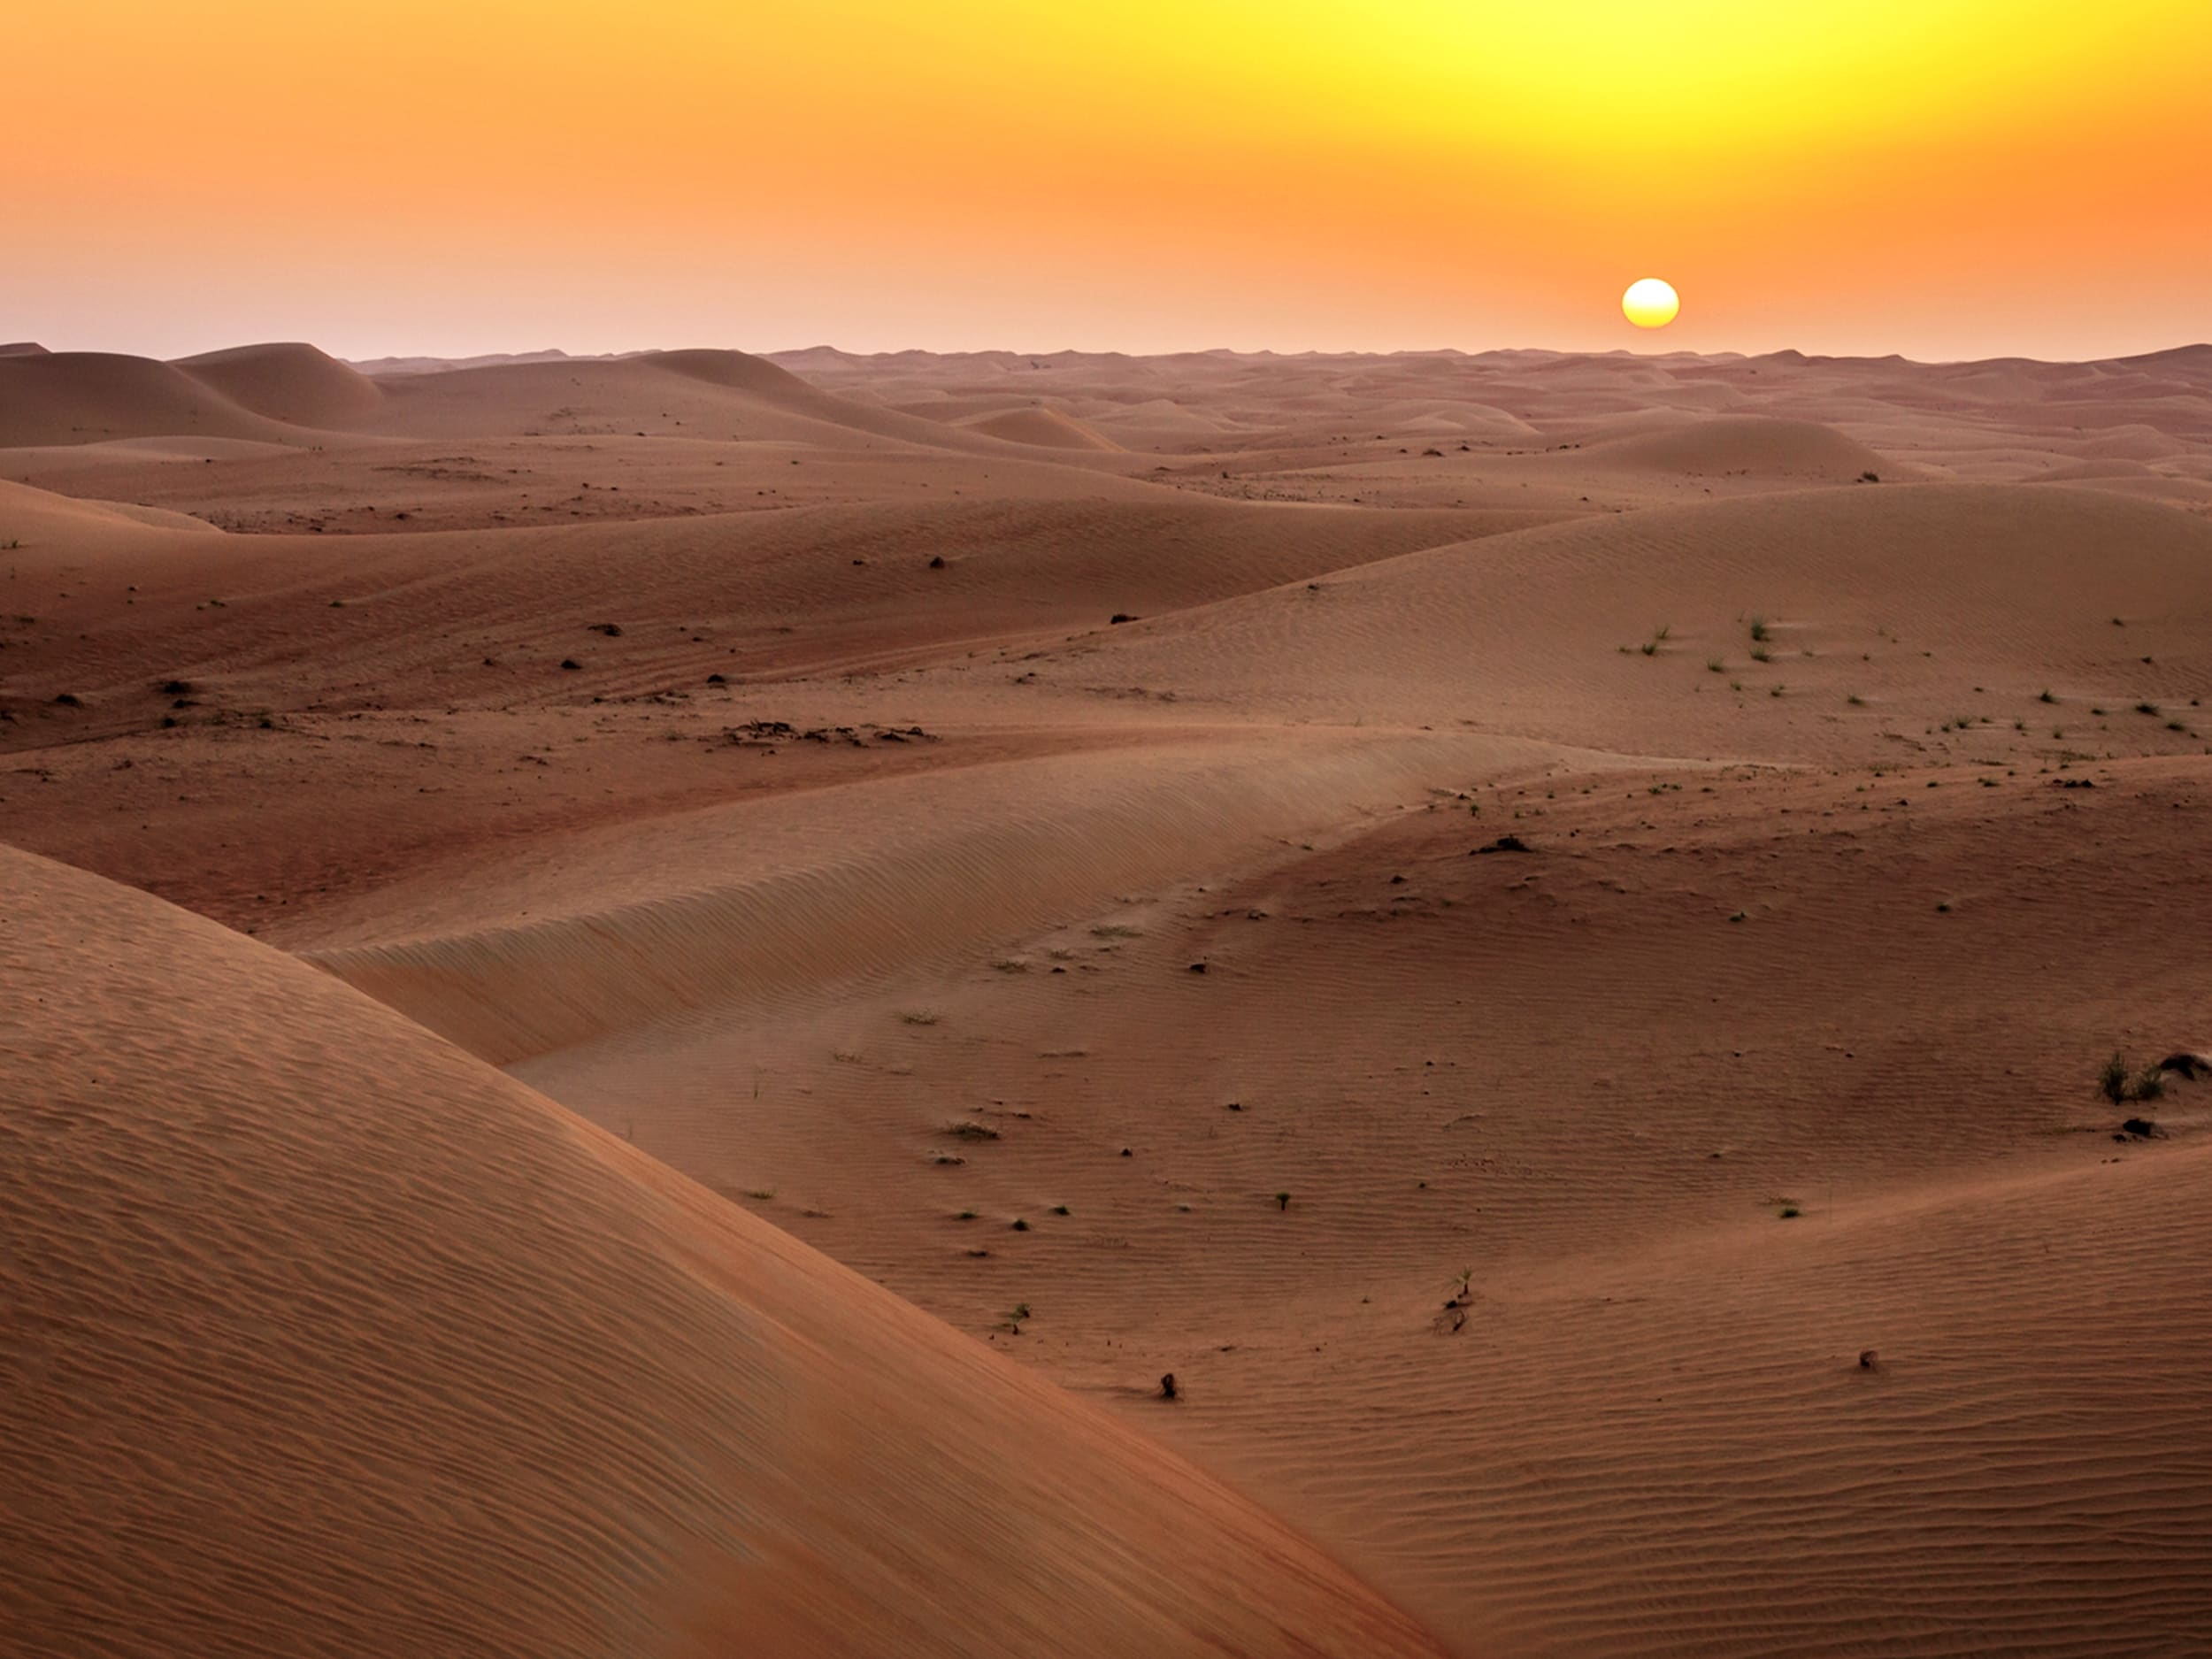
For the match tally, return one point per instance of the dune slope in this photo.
(325, 1339)
(69, 397)
(289, 382)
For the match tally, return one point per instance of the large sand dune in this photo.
(85, 396)
(292, 383)
(328, 1338)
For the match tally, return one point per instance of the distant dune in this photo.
(440, 365)
(1047, 428)
(22, 349)
(424, 1365)
(1747, 444)
(84, 396)
(292, 383)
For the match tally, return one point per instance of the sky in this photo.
(1944, 179)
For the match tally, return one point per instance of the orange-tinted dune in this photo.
(292, 382)
(324, 1338)
(86, 396)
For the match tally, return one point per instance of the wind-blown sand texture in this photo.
(1540, 930)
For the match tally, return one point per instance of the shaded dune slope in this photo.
(832, 588)
(85, 396)
(330, 1340)
(289, 382)
(658, 923)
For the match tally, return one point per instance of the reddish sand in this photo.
(1026, 830)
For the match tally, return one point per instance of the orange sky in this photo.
(1943, 178)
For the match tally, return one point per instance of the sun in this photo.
(1650, 304)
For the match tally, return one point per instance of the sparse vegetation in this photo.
(2121, 1086)
(1759, 630)
(1715, 665)
(2047, 696)
(1282, 1201)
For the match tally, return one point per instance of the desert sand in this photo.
(646, 997)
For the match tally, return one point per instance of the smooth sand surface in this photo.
(1028, 829)
(328, 1338)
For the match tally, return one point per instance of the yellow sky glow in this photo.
(1160, 174)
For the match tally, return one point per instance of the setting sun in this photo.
(1650, 304)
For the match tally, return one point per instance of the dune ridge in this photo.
(610, 946)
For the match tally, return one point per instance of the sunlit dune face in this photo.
(1650, 304)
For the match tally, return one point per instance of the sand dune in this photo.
(425, 1363)
(1943, 606)
(1046, 428)
(628, 930)
(38, 522)
(1571, 1071)
(293, 383)
(824, 590)
(1748, 444)
(85, 396)
(720, 394)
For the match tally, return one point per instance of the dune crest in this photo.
(294, 383)
(1044, 428)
